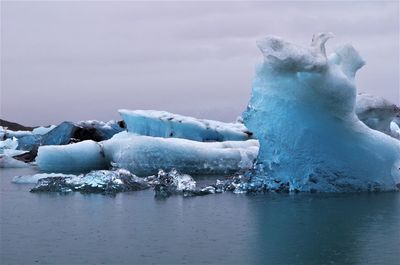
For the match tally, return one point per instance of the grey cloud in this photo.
(81, 60)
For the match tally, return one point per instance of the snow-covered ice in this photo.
(167, 125)
(302, 112)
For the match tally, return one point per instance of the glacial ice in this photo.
(165, 124)
(394, 129)
(144, 155)
(164, 183)
(9, 162)
(33, 179)
(8, 144)
(79, 157)
(96, 181)
(62, 134)
(302, 112)
(378, 114)
(173, 182)
(7, 151)
(43, 130)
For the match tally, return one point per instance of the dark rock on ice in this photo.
(15, 126)
(28, 156)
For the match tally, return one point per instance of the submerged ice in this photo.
(302, 111)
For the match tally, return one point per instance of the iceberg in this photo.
(168, 125)
(378, 114)
(64, 133)
(69, 132)
(144, 155)
(302, 111)
(79, 157)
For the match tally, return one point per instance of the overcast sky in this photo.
(85, 60)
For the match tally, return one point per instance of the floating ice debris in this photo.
(302, 112)
(169, 125)
(33, 179)
(97, 181)
(173, 183)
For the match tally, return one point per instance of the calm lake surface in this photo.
(136, 228)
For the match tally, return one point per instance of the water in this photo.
(226, 228)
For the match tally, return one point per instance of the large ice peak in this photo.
(302, 112)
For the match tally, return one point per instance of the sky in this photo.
(80, 60)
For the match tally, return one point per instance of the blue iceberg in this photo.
(302, 111)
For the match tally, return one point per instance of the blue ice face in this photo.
(302, 112)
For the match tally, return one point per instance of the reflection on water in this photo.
(227, 228)
(319, 229)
